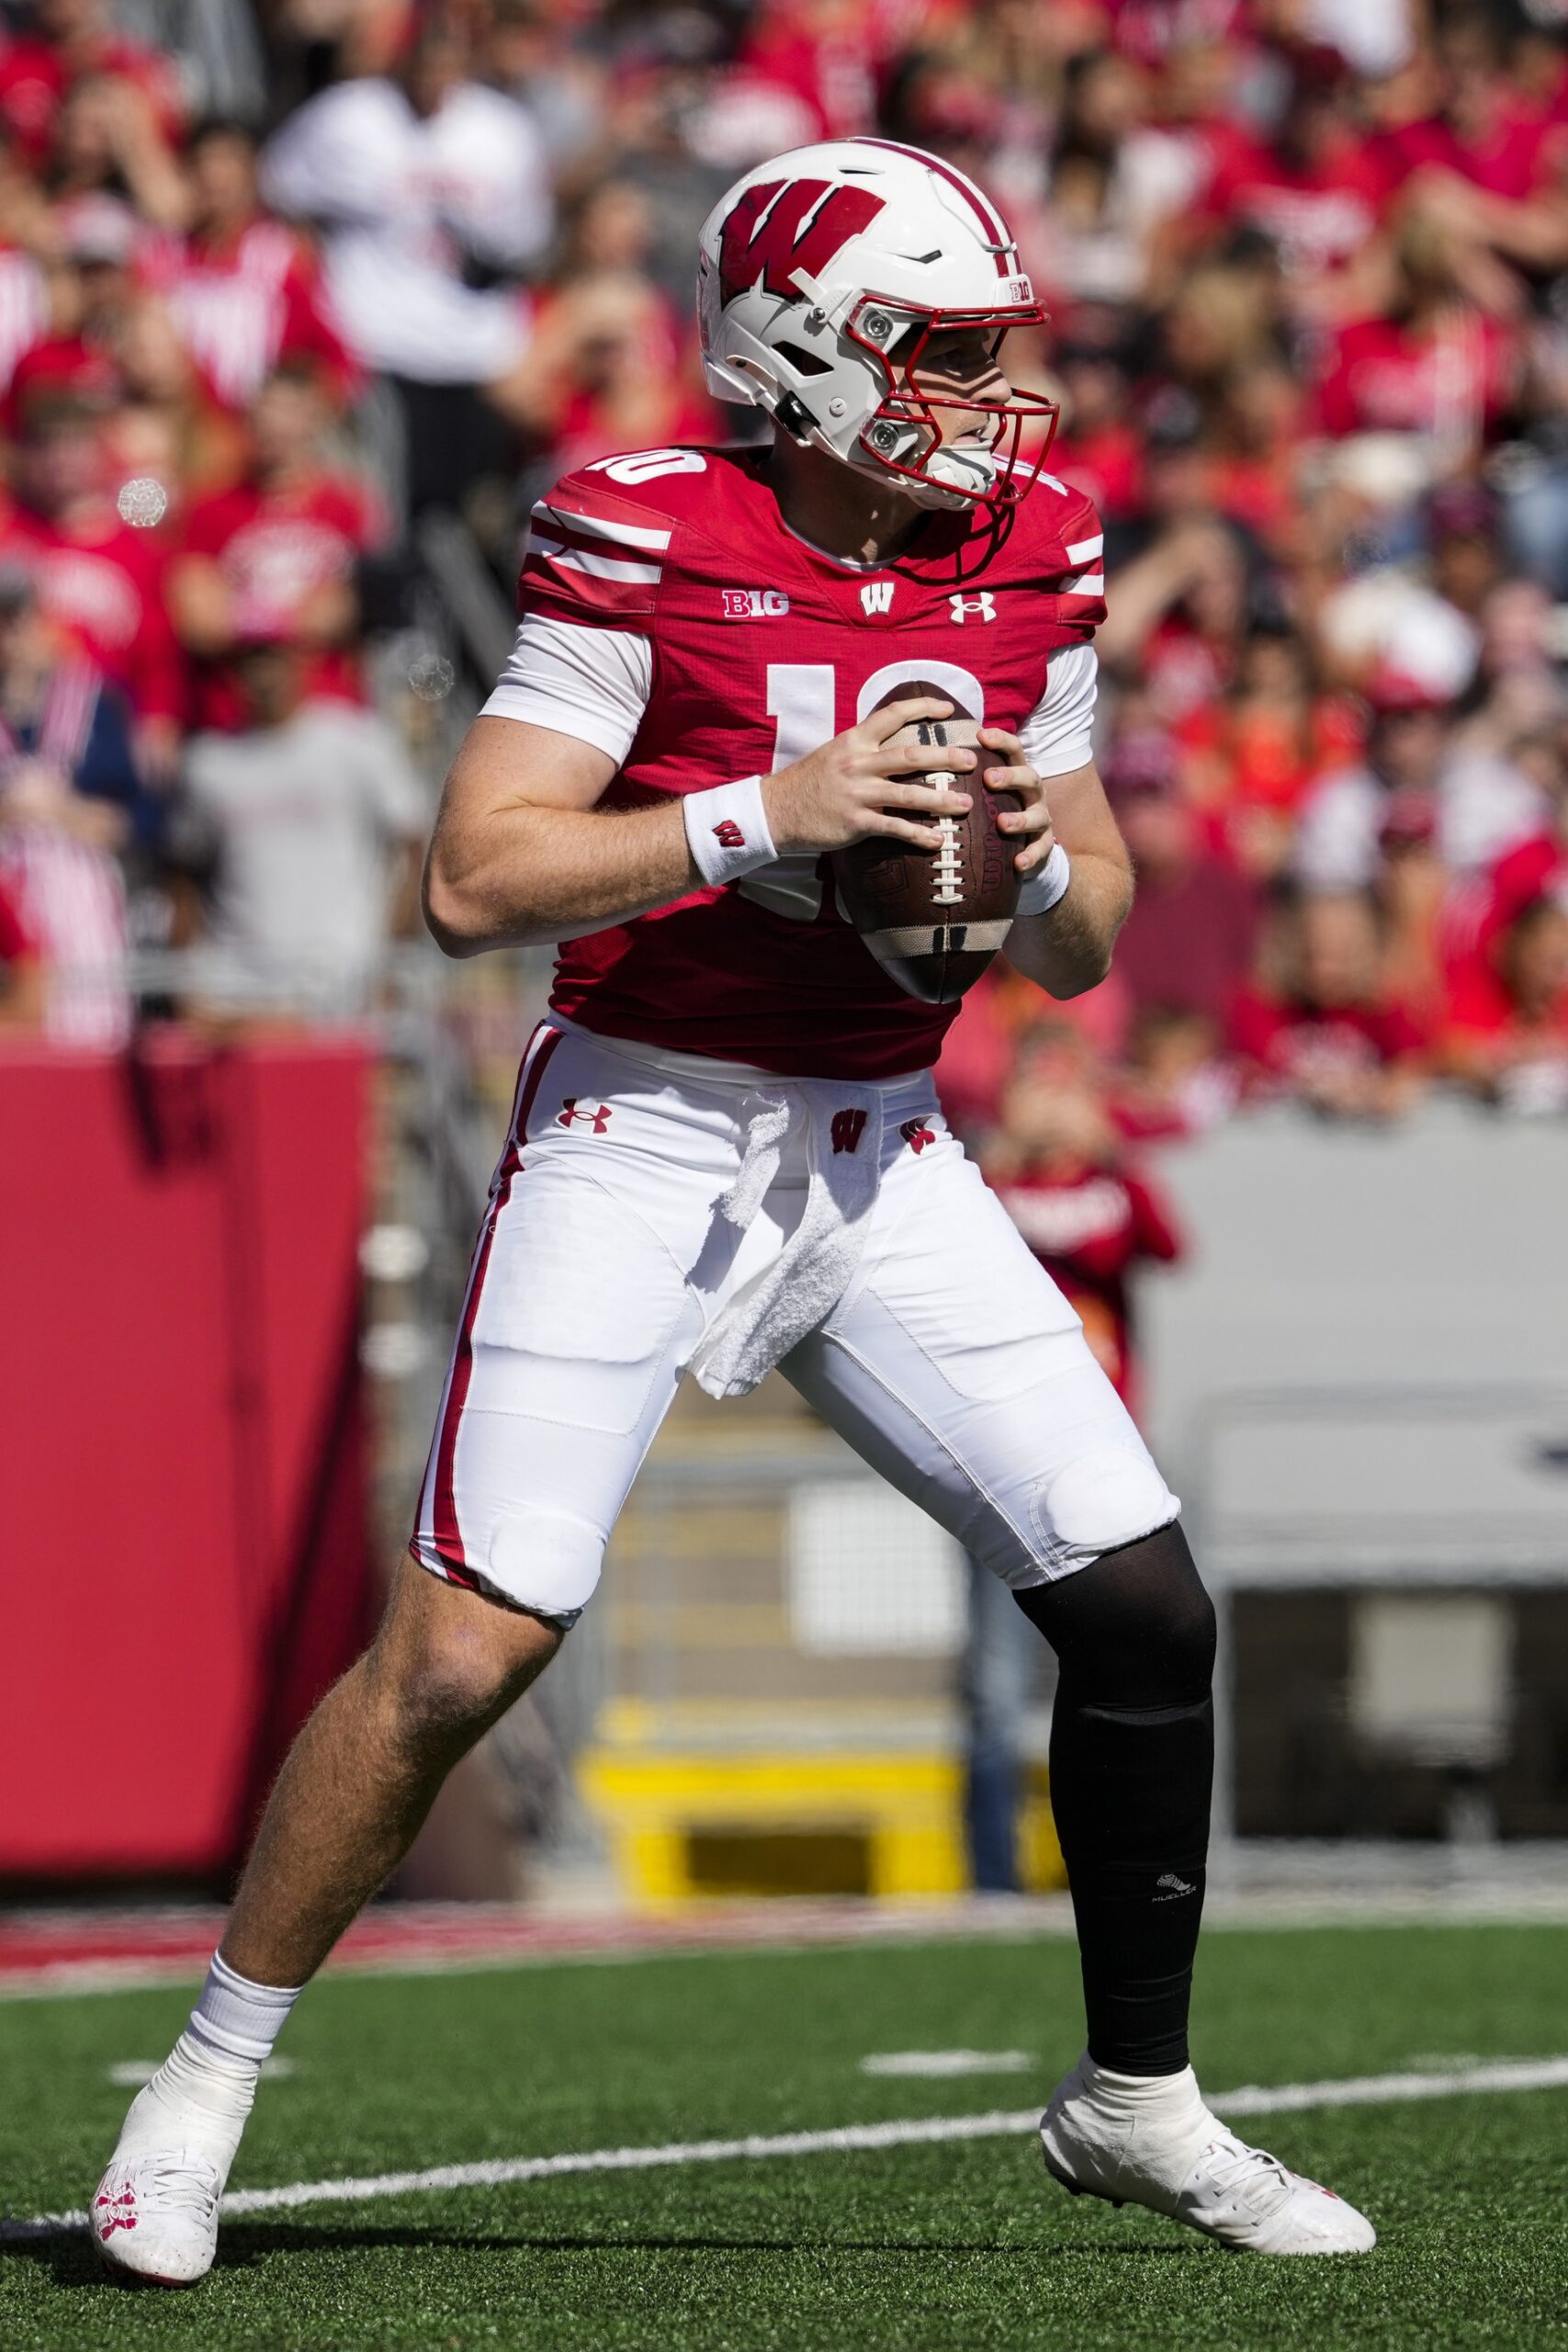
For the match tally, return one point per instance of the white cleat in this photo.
(155, 2216)
(1152, 2141)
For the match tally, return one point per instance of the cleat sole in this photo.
(1076, 2188)
(119, 2274)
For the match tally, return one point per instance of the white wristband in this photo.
(728, 830)
(1047, 885)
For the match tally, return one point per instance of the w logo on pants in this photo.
(847, 1130)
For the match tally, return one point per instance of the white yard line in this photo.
(999, 2123)
(937, 2065)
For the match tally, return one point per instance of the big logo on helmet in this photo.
(776, 248)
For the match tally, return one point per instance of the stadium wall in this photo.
(183, 1450)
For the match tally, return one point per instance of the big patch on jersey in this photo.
(933, 918)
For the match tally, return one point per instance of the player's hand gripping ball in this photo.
(933, 918)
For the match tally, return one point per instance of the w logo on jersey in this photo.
(876, 596)
(982, 607)
(774, 248)
(847, 1128)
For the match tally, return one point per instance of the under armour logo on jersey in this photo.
(754, 603)
(981, 607)
(727, 834)
(917, 1135)
(847, 1130)
(597, 1117)
(876, 596)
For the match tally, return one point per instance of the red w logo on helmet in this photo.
(780, 245)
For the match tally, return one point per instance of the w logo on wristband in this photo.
(729, 835)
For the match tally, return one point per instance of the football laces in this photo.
(947, 867)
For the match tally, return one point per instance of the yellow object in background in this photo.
(708, 1823)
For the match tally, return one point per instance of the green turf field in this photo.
(956, 2245)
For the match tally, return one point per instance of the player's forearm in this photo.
(1068, 950)
(528, 876)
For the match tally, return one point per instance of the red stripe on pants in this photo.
(444, 1507)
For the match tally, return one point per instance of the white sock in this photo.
(202, 2093)
(237, 2021)
(1176, 2095)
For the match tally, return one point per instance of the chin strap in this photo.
(794, 418)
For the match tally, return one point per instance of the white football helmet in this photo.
(821, 278)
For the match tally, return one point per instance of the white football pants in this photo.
(619, 1245)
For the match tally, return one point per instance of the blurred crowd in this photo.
(282, 280)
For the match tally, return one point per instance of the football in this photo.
(933, 918)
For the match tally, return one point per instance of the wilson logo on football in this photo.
(595, 1115)
(754, 603)
(876, 596)
(982, 607)
(764, 236)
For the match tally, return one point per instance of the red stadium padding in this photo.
(182, 1445)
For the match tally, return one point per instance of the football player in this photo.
(726, 1151)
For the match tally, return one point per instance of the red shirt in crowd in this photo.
(1107, 466)
(15, 940)
(275, 547)
(1387, 377)
(243, 307)
(36, 77)
(1186, 942)
(1481, 1013)
(1319, 213)
(103, 584)
(1089, 1227)
(1296, 1043)
(1537, 868)
(1512, 161)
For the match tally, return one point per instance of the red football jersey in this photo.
(1089, 1227)
(275, 547)
(761, 651)
(103, 584)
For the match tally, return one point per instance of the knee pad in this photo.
(1099, 1501)
(542, 1561)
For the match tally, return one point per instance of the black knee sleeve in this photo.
(1132, 1773)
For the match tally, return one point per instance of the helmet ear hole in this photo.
(803, 362)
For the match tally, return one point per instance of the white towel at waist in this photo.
(773, 1311)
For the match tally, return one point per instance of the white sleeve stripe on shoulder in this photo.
(599, 567)
(630, 534)
(1079, 551)
(1059, 486)
(1088, 583)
